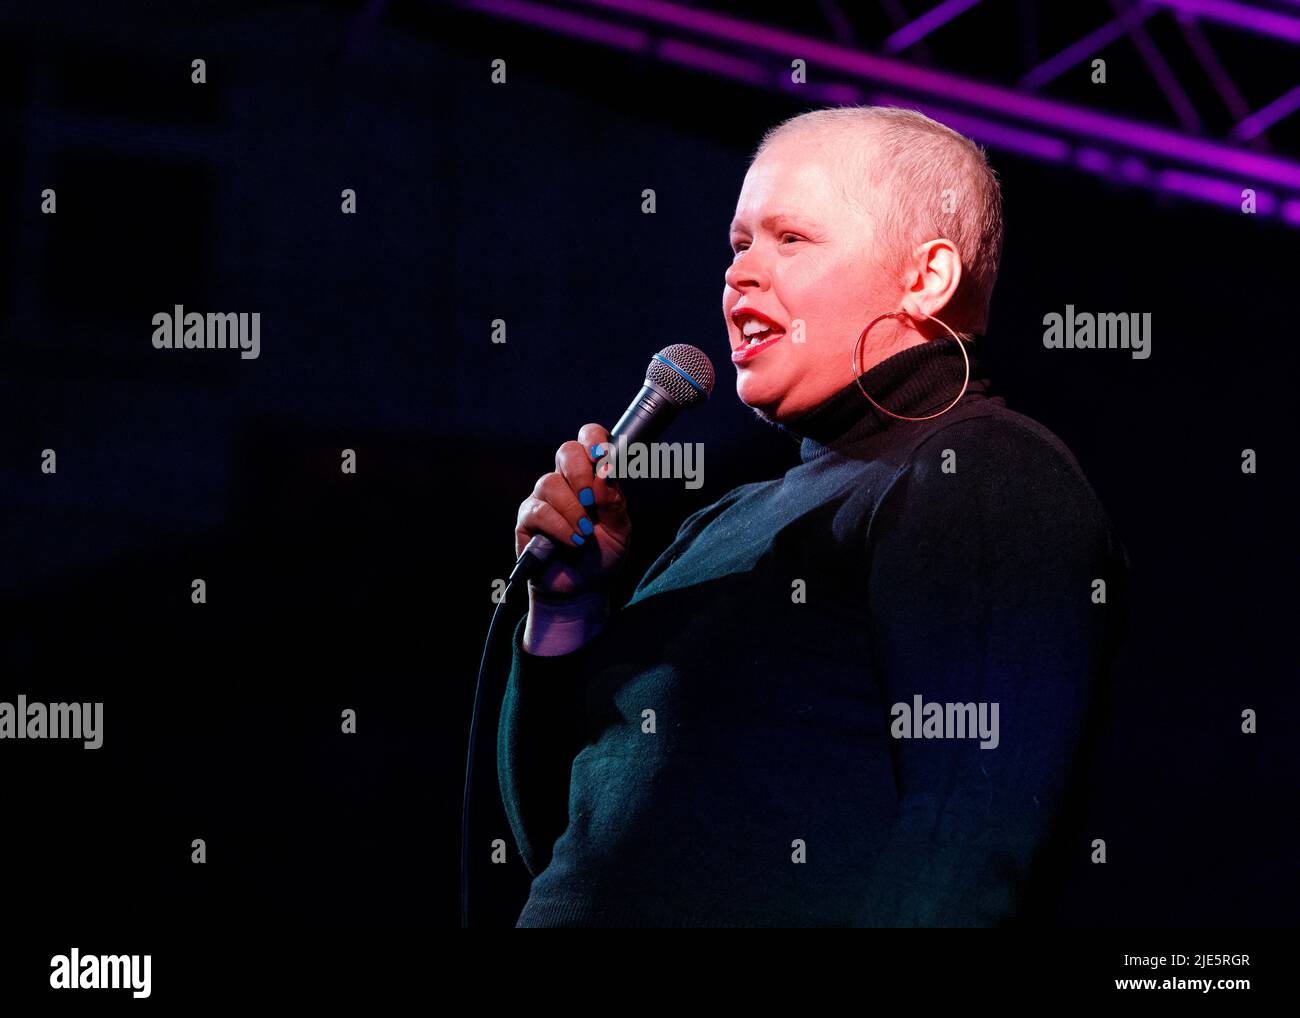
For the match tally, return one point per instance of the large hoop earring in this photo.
(857, 375)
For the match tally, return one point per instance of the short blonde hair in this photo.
(902, 169)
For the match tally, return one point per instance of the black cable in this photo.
(469, 763)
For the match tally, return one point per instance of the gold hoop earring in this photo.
(857, 374)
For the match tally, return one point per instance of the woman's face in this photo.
(806, 260)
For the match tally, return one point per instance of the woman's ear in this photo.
(933, 278)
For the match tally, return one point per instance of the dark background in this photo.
(373, 592)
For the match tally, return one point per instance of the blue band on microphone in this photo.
(694, 384)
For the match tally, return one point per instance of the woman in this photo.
(851, 695)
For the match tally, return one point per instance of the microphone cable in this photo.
(469, 761)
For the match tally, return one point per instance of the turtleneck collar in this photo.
(914, 382)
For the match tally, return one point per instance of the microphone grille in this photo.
(684, 372)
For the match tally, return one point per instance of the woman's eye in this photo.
(743, 245)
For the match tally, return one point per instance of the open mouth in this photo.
(756, 334)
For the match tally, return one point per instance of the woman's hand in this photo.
(556, 508)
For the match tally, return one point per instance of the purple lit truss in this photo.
(1180, 161)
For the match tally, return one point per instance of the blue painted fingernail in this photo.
(586, 496)
(598, 450)
(577, 539)
(585, 526)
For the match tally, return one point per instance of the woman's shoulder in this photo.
(994, 441)
(989, 461)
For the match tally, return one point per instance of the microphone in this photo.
(679, 377)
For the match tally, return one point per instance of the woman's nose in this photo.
(746, 272)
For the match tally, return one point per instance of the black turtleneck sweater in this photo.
(727, 750)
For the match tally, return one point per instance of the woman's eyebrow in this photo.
(772, 218)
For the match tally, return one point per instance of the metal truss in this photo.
(1178, 158)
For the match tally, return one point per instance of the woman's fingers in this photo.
(537, 515)
(607, 495)
(573, 463)
(574, 507)
(555, 490)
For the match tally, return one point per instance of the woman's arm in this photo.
(557, 626)
(542, 728)
(983, 592)
(543, 714)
